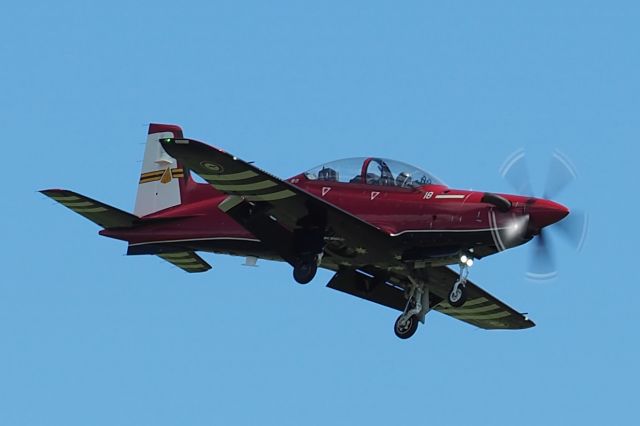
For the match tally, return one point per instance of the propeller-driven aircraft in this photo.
(389, 230)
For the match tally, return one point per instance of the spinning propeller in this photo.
(573, 227)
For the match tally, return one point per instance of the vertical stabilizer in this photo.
(162, 176)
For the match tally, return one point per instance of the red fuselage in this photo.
(434, 220)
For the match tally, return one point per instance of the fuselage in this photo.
(430, 222)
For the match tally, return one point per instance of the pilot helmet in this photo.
(403, 179)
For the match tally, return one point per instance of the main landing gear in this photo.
(308, 244)
(405, 327)
(458, 296)
(304, 270)
(416, 308)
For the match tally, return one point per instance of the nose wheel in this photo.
(458, 295)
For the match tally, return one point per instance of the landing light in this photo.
(466, 260)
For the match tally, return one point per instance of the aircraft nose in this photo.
(547, 212)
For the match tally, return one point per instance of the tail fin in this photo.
(163, 180)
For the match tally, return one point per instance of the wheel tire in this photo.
(304, 271)
(457, 299)
(408, 329)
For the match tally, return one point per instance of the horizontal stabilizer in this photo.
(97, 212)
(187, 261)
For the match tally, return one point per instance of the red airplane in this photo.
(387, 229)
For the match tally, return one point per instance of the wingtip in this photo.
(53, 191)
(50, 191)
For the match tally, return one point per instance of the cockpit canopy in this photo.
(372, 171)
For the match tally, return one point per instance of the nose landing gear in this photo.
(457, 296)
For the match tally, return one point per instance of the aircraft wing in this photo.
(273, 209)
(481, 309)
(485, 311)
(97, 212)
(188, 261)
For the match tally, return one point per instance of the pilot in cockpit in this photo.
(404, 180)
(327, 173)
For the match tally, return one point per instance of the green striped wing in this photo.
(188, 261)
(97, 212)
(485, 311)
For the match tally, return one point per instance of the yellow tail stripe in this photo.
(156, 173)
(152, 174)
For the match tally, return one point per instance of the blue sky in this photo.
(90, 336)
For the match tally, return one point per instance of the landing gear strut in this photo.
(458, 296)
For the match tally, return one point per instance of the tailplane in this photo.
(97, 212)
(163, 183)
